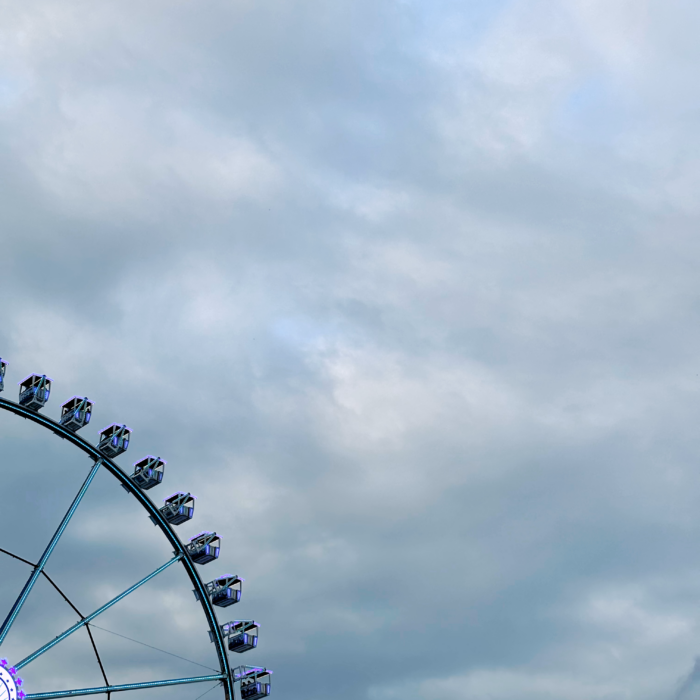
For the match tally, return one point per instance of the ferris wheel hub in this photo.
(9, 684)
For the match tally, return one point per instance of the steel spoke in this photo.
(120, 688)
(67, 599)
(97, 612)
(47, 553)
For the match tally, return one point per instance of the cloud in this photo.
(690, 682)
(406, 294)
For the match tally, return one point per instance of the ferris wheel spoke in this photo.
(68, 600)
(119, 688)
(17, 606)
(97, 612)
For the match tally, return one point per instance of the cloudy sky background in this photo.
(407, 295)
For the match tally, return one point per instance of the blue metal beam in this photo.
(97, 612)
(47, 553)
(119, 688)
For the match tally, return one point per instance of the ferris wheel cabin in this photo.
(242, 635)
(224, 591)
(178, 508)
(148, 472)
(114, 439)
(76, 413)
(34, 391)
(227, 591)
(3, 367)
(205, 547)
(255, 685)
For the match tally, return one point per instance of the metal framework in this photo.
(75, 610)
(17, 606)
(186, 554)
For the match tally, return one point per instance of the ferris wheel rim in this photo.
(157, 519)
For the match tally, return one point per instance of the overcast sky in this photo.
(407, 295)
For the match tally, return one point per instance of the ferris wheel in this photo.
(232, 637)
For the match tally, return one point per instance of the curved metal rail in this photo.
(157, 518)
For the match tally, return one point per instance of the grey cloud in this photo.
(690, 682)
(405, 294)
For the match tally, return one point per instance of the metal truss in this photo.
(75, 610)
(120, 688)
(92, 616)
(17, 606)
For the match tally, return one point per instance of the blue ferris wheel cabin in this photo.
(34, 391)
(76, 413)
(149, 472)
(114, 440)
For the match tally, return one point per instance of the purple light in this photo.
(252, 669)
(3, 662)
(119, 425)
(29, 376)
(82, 398)
(178, 493)
(18, 681)
(158, 459)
